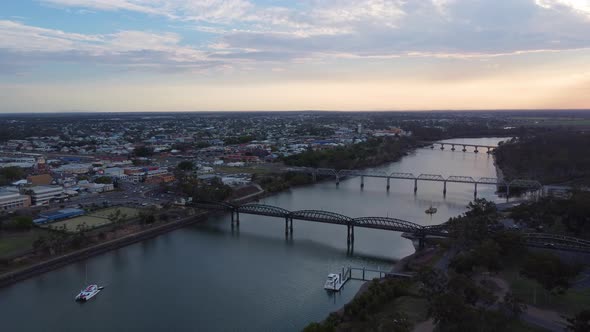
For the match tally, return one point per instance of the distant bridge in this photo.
(419, 232)
(340, 174)
(476, 147)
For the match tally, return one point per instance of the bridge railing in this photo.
(516, 183)
(385, 223)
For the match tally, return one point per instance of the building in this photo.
(41, 195)
(58, 215)
(40, 180)
(74, 169)
(163, 178)
(13, 200)
(96, 187)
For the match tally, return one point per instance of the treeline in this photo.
(462, 298)
(10, 174)
(273, 183)
(553, 157)
(569, 216)
(373, 152)
(366, 311)
(437, 130)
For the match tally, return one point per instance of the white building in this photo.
(97, 187)
(73, 168)
(13, 200)
(44, 194)
(114, 171)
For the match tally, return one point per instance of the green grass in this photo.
(13, 243)
(95, 219)
(570, 303)
(72, 224)
(105, 213)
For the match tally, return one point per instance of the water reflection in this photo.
(197, 277)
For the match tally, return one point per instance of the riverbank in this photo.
(278, 273)
(372, 153)
(57, 262)
(43, 265)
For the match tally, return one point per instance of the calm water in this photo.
(208, 278)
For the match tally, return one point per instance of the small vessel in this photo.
(88, 293)
(334, 282)
(431, 210)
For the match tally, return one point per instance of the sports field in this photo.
(105, 213)
(95, 219)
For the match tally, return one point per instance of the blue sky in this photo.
(181, 55)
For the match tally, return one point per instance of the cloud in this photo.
(243, 32)
(580, 6)
(207, 10)
(445, 28)
(22, 44)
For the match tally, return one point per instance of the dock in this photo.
(364, 274)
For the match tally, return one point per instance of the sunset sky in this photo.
(191, 55)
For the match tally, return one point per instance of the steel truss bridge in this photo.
(340, 174)
(416, 231)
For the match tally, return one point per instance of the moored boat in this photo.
(334, 282)
(88, 293)
(431, 210)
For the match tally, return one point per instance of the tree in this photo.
(433, 282)
(19, 223)
(514, 305)
(215, 191)
(186, 165)
(12, 173)
(143, 151)
(580, 322)
(104, 180)
(481, 207)
(147, 216)
(117, 217)
(549, 271)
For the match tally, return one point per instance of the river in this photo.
(208, 278)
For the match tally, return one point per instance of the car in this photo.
(549, 245)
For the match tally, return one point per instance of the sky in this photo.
(231, 55)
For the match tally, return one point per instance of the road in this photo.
(127, 194)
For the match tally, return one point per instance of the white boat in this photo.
(334, 282)
(88, 293)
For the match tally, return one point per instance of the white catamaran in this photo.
(88, 293)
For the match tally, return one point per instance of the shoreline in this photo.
(10, 278)
(47, 265)
(44, 266)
